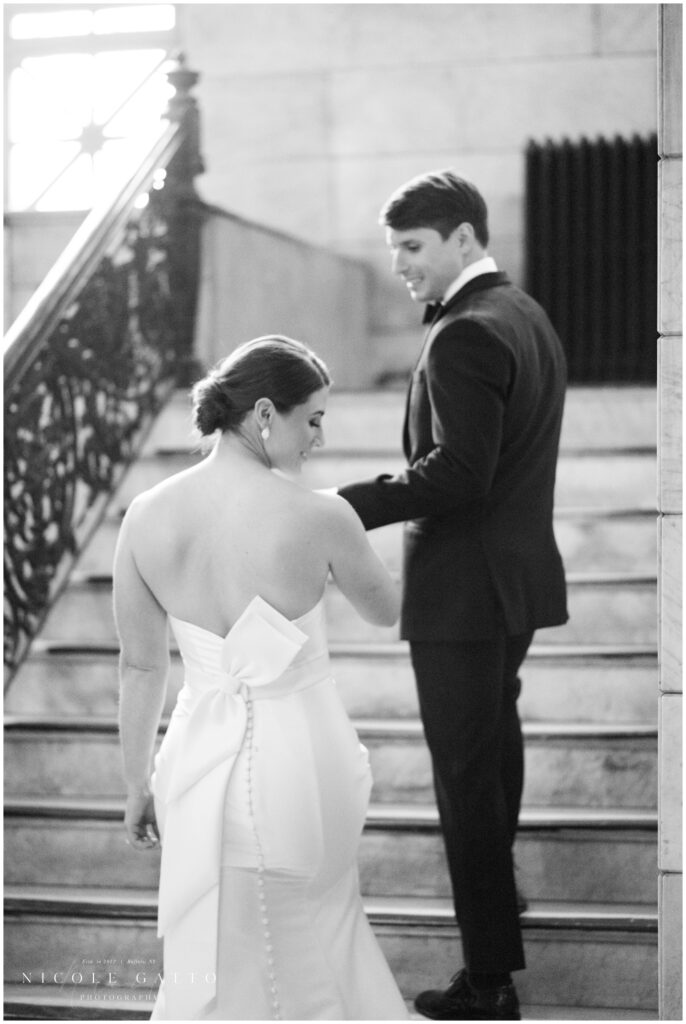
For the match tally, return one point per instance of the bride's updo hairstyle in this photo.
(274, 367)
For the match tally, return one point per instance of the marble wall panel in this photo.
(15, 299)
(32, 244)
(671, 90)
(388, 111)
(260, 282)
(264, 38)
(8, 315)
(671, 590)
(495, 107)
(293, 196)
(510, 103)
(410, 34)
(671, 263)
(36, 241)
(627, 28)
(671, 946)
(670, 460)
(267, 117)
(670, 819)
(361, 186)
(257, 39)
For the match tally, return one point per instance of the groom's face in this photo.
(427, 262)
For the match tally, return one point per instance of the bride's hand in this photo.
(139, 820)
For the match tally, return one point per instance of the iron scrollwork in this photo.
(77, 410)
(73, 418)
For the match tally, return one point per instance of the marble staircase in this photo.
(80, 905)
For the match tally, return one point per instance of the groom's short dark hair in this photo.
(440, 200)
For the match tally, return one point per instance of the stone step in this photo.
(578, 954)
(574, 855)
(598, 480)
(566, 765)
(45, 1001)
(620, 540)
(37, 1001)
(609, 608)
(584, 684)
(50, 1002)
(601, 417)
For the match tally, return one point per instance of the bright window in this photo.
(86, 90)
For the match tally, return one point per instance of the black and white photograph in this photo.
(343, 511)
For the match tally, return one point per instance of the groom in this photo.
(481, 567)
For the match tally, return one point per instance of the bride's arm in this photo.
(357, 570)
(143, 671)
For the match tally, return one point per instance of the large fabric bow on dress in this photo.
(190, 781)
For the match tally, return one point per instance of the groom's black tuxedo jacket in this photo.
(481, 438)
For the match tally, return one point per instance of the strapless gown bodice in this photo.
(264, 654)
(261, 788)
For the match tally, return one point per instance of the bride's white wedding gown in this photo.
(261, 787)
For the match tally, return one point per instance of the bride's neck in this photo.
(240, 447)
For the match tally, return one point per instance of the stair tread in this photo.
(392, 451)
(114, 515)
(44, 647)
(379, 815)
(408, 908)
(88, 580)
(129, 1001)
(406, 727)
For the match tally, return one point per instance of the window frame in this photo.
(16, 50)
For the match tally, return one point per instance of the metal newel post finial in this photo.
(182, 79)
(182, 109)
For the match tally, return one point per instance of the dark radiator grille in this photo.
(591, 240)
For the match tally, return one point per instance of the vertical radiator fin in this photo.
(591, 252)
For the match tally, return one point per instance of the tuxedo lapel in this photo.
(433, 315)
(430, 320)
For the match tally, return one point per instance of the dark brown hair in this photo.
(274, 367)
(440, 200)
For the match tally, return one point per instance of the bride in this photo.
(260, 787)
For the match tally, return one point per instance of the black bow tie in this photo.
(432, 312)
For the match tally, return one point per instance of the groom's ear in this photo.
(463, 236)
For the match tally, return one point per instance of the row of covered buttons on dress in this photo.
(261, 895)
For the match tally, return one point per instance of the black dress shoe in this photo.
(461, 1001)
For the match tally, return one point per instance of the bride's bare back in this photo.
(206, 546)
(207, 540)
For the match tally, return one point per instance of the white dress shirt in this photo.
(486, 265)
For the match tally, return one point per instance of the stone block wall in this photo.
(670, 327)
(32, 243)
(314, 113)
(255, 281)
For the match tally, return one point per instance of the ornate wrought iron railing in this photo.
(90, 361)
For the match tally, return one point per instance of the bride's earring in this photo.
(264, 433)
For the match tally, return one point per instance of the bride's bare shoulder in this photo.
(153, 507)
(331, 513)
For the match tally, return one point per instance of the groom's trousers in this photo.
(468, 702)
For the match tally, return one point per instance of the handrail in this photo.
(79, 259)
(91, 359)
